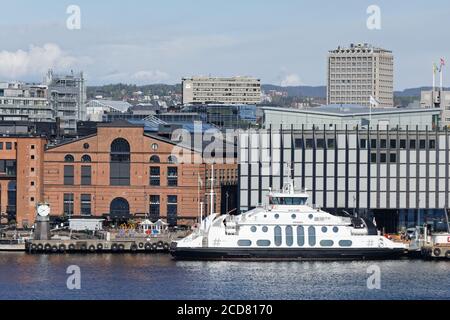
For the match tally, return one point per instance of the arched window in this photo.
(120, 163)
(69, 158)
(119, 208)
(172, 159)
(86, 158)
(154, 159)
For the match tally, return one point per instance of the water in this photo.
(156, 277)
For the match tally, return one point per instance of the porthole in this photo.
(277, 216)
(335, 229)
(324, 229)
(263, 243)
(294, 216)
(326, 243)
(265, 229)
(345, 243)
(253, 229)
(244, 243)
(310, 216)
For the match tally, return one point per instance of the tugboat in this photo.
(288, 228)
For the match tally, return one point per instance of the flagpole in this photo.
(434, 76)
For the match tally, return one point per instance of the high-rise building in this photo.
(358, 72)
(27, 102)
(67, 94)
(236, 90)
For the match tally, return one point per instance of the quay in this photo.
(154, 245)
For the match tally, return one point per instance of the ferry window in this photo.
(326, 243)
(289, 236)
(265, 229)
(310, 216)
(294, 216)
(277, 216)
(288, 201)
(253, 229)
(324, 229)
(345, 243)
(263, 243)
(277, 236)
(300, 236)
(244, 243)
(335, 229)
(312, 236)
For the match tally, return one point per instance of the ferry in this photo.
(287, 228)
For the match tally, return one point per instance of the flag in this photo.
(374, 101)
(435, 68)
(442, 64)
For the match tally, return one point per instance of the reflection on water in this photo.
(152, 277)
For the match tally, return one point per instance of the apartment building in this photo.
(27, 102)
(235, 90)
(357, 72)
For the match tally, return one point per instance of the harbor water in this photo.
(158, 277)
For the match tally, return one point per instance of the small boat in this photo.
(286, 229)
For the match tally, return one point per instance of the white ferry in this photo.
(286, 229)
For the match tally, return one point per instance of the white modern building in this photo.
(27, 102)
(400, 177)
(235, 90)
(97, 109)
(350, 116)
(67, 95)
(357, 72)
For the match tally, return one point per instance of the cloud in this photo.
(138, 77)
(149, 76)
(291, 80)
(34, 62)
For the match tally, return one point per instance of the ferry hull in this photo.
(285, 254)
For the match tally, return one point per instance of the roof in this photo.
(119, 124)
(121, 106)
(349, 110)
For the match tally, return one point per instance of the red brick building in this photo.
(123, 171)
(21, 178)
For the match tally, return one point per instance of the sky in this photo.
(283, 42)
